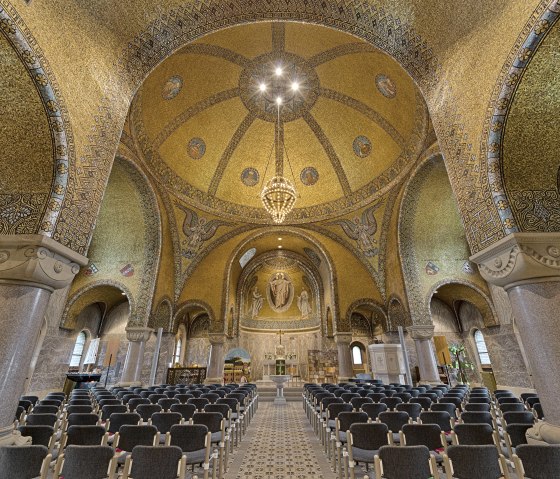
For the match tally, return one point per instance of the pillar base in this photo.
(543, 433)
(14, 439)
(214, 381)
(280, 401)
(127, 384)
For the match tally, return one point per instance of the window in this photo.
(76, 358)
(481, 348)
(357, 355)
(247, 256)
(177, 355)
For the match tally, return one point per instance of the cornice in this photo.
(421, 332)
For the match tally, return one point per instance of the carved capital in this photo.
(217, 338)
(38, 260)
(521, 258)
(343, 338)
(420, 332)
(138, 334)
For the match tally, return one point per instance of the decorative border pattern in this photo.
(25, 45)
(161, 318)
(371, 303)
(194, 303)
(500, 104)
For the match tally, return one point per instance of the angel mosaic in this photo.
(197, 230)
(362, 230)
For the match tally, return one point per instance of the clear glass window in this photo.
(76, 358)
(177, 355)
(357, 355)
(481, 348)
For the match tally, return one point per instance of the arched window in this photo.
(357, 357)
(481, 348)
(247, 256)
(178, 349)
(76, 358)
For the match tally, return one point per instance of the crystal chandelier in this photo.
(279, 194)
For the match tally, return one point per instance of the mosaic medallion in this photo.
(250, 177)
(196, 148)
(279, 75)
(127, 271)
(309, 176)
(386, 86)
(172, 87)
(361, 146)
(468, 267)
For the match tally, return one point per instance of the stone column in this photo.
(31, 268)
(132, 370)
(215, 370)
(422, 335)
(345, 370)
(527, 266)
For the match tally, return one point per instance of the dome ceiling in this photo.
(351, 120)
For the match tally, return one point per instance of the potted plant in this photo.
(460, 362)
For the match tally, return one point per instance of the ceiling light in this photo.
(279, 239)
(278, 71)
(124, 294)
(279, 100)
(279, 246)
(262, 87)
(295, 86)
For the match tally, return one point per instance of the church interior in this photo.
(303, 219)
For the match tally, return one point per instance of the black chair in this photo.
(538, 410)
(357, 403)
(536, 461)
(511, 407)
(474, 462)
(395, 420)
(412, 409)
(86, 462)
(166, 403)
(185, 410)
(475, 434)
(425, 402)
(32, 399)
(146, 410)
(470, 417)
(79, 410)
(45, 409)
(364, 442)
(154, 398)
(449, 408)
(41, 420)
(429, 435)
(135, 402)
(84, 436)
(148, 462)
(374, 409)
(342, 424)
(477, 407)
(82, 419)
(24, 462)
(183, 398)
(515, 435)
(109, 409)
(130, 436)
(441, 418)
(391, 402)
(163, 422)
(525, 417)
(376, 397)
(118, 420)
(40, 435)
(414, 462)
(195, 441)
(199, 403)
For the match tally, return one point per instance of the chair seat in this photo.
(364, 455)
(216, 436)
(196, 457)
(331, 423)
(342, 436)
(122, 457)
(396, 438)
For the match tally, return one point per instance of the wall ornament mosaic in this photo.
(365, 303)
(195, 304)
(172, 87)
(516, 215)
(26, 213)
(162, 316)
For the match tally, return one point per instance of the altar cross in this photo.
(280, 334)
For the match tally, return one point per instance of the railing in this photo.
(186, 376)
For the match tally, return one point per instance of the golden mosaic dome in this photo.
(351, 120)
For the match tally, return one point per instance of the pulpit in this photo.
(387, 362)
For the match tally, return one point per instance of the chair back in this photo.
(131, 436)
(428, 435)
(391, 402)
(525, 417)
(425, 402)
(185, 410)
(477, 407)
(357, 403)
(149, 462)
(470, 417)
(80, 419)
(183, 397)
(212, 397)
(516, 433)
(85, 435)
(45, 409)
(474, 462)
(346, 419)
(441, 418)
(374, 409)
(41, 419)
(412, 409)
(333, 410)
(166, 403)
(474, 434)
(118, 419)
(135, 402)
(395, 420)
(447, 407)
(538, 461)
(164, 420)
(146, 410)
(109, 409)
(189, 437)
(86, 462)
(369, 436)
(212, 420)
(40, 435)
(223, 409)
(405, 462)
(199, 403)
(23, 462)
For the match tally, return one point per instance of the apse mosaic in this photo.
(362, 146)
(172, 87)
(250, 177)
(309, 176)
(196, 148)
(362, 229)
(386, 86)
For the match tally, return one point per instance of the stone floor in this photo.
(279, 444)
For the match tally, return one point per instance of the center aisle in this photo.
(279, 444)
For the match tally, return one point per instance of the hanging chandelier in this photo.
(279, 194)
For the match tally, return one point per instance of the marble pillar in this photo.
(422, 335)
(215, 370)
(132, 370)
(527, 266)
(31, 268)
(345, 370)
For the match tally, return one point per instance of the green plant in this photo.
(460, 361)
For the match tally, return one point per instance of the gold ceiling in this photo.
(355, 125)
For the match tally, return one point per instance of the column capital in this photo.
(137, 334)
(521, 258)
(39, 261)
(343, 338)
(421, 331)
(217, 338)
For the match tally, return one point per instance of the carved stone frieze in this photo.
(521, 258)
(38, 260)
(343, 338)
(217, 338)
(138, 334)
(421, 332)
